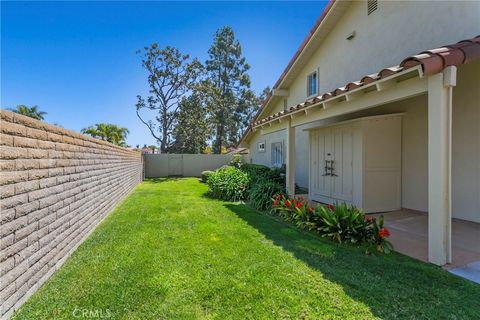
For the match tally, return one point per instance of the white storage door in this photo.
(321, 153)
(342, 179)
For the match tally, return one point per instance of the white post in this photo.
(290, 161)
(439, 166)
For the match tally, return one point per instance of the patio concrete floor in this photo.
(409, 235)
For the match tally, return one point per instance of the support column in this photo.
(290, 161)
(439, 166)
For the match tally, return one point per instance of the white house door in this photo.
(331, 164)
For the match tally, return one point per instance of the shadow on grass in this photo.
(393, 286)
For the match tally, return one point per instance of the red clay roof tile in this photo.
(432, 61)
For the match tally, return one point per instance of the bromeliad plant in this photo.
(295, 210)
(341, 223)
(378, 234)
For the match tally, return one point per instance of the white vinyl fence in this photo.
(187, 165)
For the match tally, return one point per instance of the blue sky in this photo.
(77, 61)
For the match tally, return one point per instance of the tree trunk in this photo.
(163, 144)
(217, 147)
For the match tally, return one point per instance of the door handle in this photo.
(332, 169)
(326, 168)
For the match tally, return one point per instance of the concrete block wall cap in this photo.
(12, 117)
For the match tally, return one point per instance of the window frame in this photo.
(260, 149)
(274, 154)
(309, 76)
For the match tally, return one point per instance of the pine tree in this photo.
(230, 94)
(192, 130)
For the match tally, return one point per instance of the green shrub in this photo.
(228, 183)
(236, 161)
(205, 175)
(258, 172)
(254, 170)
(262, 192)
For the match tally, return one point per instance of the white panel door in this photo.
(322, 152)
(342, 173)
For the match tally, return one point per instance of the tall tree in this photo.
(171, 75)
(227, 73)
(192, 130)
(108, 132)
(32, 112)
(254, 103)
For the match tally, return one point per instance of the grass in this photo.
(170, 252)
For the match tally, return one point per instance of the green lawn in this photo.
(170, 252)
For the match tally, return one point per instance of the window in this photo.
(261, 147)
(312, 84)
(277, 154)
(372, 5)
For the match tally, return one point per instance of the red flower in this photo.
(384, 233)
(298, 204)
(331, 207)
(369, 218)
(275, 203)
(287, 203)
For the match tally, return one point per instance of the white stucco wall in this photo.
(393, 32)
(466, 144)
(265, 157)
(397, 29)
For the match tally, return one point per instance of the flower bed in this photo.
(341, 223)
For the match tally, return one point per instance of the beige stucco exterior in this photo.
(465, 141)
(383, 39)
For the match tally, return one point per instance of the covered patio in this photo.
(410, 236)
(437, 237)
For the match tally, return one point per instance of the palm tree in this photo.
(31, 112)
(108, 132)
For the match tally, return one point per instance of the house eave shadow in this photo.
(371, 279)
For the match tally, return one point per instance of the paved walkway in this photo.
(410, 236)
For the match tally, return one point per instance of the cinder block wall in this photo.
(56, 185)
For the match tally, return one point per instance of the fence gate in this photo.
(175, 165)
(187, 165)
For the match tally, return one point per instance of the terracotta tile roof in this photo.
(436, 60)
(431, 62)
(297, 54)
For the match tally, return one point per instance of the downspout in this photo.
(450, 81)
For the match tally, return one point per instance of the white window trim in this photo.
(282, 160)
(316, 84)
(264, 146)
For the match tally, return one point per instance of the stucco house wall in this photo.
(383, 39)
(265, 157)
(397, 29)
